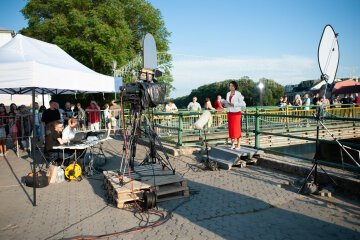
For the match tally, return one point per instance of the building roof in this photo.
(3, 30)
(347, 86)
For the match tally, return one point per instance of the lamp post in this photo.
(261, 87)
(114, 65)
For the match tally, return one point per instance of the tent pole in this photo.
(32, 145)
(43, 97)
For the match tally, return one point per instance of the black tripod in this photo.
(319, 118)
(135, 131)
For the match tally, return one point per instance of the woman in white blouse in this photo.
(234, 107)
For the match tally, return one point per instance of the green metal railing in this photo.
(288, 119)
(178, 128)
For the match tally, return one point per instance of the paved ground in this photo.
(238, 204)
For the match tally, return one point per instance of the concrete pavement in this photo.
(244, 203)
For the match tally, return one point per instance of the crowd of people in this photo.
(16, 123)
(317, 100)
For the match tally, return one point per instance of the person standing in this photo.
(357, 100)
(306, 101)
(315, 99)
(335, 101)
(80, 115)
(93, 116)
(115, 115)
(345, 99)
(25, 127)
(297, 102)
(13, 129)
(107, 117)
(50, 115)
(67, 113)
(217, 104)
(170, 107)
(208, 105)
(3, 125)
(37, 123)
(41, 127)
(194, 106)
(234, 105)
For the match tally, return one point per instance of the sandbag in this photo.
(41, 181)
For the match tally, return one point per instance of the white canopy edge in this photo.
(27, 63)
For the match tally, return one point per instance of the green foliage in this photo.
(94, 32)
(248, 88)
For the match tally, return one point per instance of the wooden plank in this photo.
(185, 194)
(168, 189)
(165, 184)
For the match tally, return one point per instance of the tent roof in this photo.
(347, 86)
(27, 63)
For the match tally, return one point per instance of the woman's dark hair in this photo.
(42, 108)
(234, 84)
(207, 99)
(11, 106)
(2, 106)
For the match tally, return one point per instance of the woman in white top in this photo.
(234, 107)
(70, 130)
(107, 116)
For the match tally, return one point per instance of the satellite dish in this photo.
(328, 54)
(149, 52)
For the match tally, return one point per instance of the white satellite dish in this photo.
(328, 54)
(149, 52)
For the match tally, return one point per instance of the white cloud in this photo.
(191, 72)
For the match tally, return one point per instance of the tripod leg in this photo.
(157, 156)
(341, 145)
(207, 149)
(307, 178)
(328, 176)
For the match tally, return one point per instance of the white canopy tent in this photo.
(27, 63)
(30, 66)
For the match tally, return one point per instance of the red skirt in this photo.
(234, 123)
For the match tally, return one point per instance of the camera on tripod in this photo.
(146, 92)
(143, 94)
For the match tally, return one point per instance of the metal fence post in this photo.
(287, 119)
(246, 124)
(257, 129)
(353, 113)
(180, 131)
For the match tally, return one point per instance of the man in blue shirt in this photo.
(306, 101)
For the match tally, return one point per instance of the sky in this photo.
(214, 40)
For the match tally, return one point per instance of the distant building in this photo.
(340, 86)
(6, 36)
(303, 87)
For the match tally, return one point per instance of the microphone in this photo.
(203, 119)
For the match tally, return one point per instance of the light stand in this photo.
(328, 57)
(318, 116)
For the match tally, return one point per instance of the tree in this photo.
(94, 32)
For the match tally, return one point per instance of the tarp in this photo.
(347, 86)
(27, 63)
